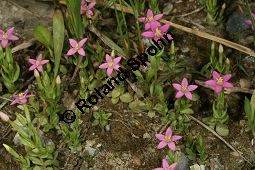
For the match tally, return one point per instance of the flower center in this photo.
(184, 89)
(21, 95)
(77, 47)
(37, 63)
(110, 64)
(219, 81)
(5, 36)
(150, 19)
(158, 32)
(84, 7)
(168, 138)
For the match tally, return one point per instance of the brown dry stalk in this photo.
(195, 32)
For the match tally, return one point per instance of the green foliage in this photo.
(249, 108)
(101, 119)
(195, 149)
(9, 69)
(214, 11)
(39, 154)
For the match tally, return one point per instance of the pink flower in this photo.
(219, 82)
(184, 89)
(21, 98)
(77, 47)
(167, 139)
(150, 19)
(37, 64)
(87, 8)
(248, 22)
(157, 32)
(6, 36)
(111, 64)
(166, 166)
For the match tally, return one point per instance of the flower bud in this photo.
(113, 53)
(36, 73)
(220, 49)
(58, 81)
(4, 117)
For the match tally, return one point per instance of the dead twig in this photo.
(24, 45)
(218, 136)
(233, 90)
(190, 13)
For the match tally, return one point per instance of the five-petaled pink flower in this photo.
(248, 22)
(167, 139)
(150, 19)
(37, 64)
(21, 98)
(111, 64)
(219, 82)
(77, 47)
(6, 36)
(184, 89)
(157, 32)
(87, 8)
(166, 166)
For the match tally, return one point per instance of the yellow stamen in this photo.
(77, 47)
(219, 81)
(37, 63)
(84, 7)
(168, 138)
(5, 36)
(110, 64)
(158, 32)
(184, 89)
(21, 94)
(150, 19)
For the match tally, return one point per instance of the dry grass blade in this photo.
(23, 45)
(198, 33)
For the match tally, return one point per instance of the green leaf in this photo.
(222, 129)
(58, 39)
(138, 106)
(139, 75)
(126, 98)
(16, 74)
(43, 35)
(35, 160)
(115, 100)
(12, 152)
(187, 111)
(151, 114)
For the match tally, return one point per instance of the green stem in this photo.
(250, 13)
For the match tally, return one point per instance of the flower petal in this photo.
(91, 5)
(161, 145)
(149, 13)
(73, 43)
(14, 102)
(227, 77)
(142, 19)
(160, 137)
(116, 60)
(71, 52)
(32, 61)
(44, 62)
(32, 67)
(168, 132)
(81, 52)
(109, 71)
(164, 28)
(158, 17)
(218, 89)
(211, 83)
(10, 31)
(185, 82)
(22, 101)
(116, 67)
(216, 75)
(13, 37)
(173, 166)
(248, 22)
(188, 95)
(108, 58)
(177, 86)
(228, 85)
(172, 146)
(39, 58)
(179, 94)
(192, 87)
(104, 65)
(176, 137)
(147, 26)
(165, 163)
(4, 43)
(39, 68)
(89, 13)
(154, 26)
(149, 34)
(83, 41)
